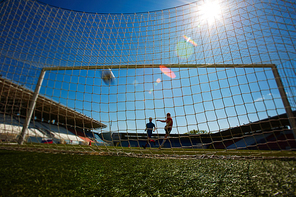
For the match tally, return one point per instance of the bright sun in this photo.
(210, 11)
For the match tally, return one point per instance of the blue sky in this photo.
(116, 6)
(210, 99)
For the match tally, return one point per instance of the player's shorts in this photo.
(149, 133)
(167, 130)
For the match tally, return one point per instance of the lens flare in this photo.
(184, 50)
(167, 71)
(188, 39)
(158, 80)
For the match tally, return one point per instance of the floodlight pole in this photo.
(32, 107)
(285, 100)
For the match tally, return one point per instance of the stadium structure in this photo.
(52, 122)
(273, 133)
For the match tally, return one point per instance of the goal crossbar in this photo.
(157, 66)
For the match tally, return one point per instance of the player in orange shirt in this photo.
(168, 127)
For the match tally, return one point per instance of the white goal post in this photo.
(272, 66)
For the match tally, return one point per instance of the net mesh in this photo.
(224, 70)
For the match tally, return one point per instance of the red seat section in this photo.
(81, 135)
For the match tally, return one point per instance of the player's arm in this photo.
(161, 120)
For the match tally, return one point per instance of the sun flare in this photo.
(210, 11)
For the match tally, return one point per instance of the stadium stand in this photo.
(11, 127)
(15, 100)
(247, 141)
(61, 133)
(273, 133)
(39, 132)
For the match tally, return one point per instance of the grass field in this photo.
(46, 174)
(151, 152)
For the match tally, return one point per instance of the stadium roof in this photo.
(16, 99)
(259, 126)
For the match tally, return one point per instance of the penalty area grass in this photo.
(47, 174)
(153, 151)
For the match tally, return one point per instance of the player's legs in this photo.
(167, 131)
(149, 139)
(165, 137)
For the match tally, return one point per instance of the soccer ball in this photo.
(108, 76)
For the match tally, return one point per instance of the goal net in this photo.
(89, 82)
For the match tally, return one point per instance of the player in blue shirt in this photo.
(150, 127)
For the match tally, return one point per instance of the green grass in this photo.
(46, 174)
(261, 154)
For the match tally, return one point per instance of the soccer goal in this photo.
(89, 83)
